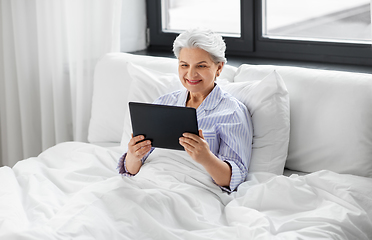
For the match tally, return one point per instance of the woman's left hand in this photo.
(196, 146)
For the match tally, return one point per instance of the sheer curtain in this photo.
(48, 50)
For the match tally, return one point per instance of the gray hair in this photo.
(203, 39)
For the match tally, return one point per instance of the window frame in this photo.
(160, 40)
(253, 44)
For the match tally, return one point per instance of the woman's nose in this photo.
(192, 73)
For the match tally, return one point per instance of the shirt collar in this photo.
(183, 97)
(209, 103)
(213, 99)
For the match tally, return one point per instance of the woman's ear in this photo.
(219, 68)
(220, 65)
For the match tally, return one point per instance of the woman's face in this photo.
(197, 71)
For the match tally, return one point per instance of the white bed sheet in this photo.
(73, 191)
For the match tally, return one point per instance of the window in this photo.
(218, 15)
(318, 20)
(332, 31)
(162, 31)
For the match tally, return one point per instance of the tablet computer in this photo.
(161, 124)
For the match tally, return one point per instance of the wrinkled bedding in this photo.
(73, 191)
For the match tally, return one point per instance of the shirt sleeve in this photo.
(122, 168)
(236, 148)
(238, 174)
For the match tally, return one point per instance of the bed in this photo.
(310, 175)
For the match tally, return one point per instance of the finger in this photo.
(187, 144)
(201, 134)
(136, 139)
(187, 141)
(143, 144)
(140, 151)
(191, 136)
(143, 151)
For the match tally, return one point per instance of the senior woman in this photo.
(224, 144)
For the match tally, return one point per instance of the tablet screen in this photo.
(161, 124)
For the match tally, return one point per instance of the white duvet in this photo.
(73, 191)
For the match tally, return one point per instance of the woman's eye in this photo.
(202, 66)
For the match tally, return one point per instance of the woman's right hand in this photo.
(137, 149)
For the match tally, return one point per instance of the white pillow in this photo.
(268, 103)
(111, 89)
(147, 86)
(331, 122)
(331, 112)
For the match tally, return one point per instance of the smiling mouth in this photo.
(193, 82)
